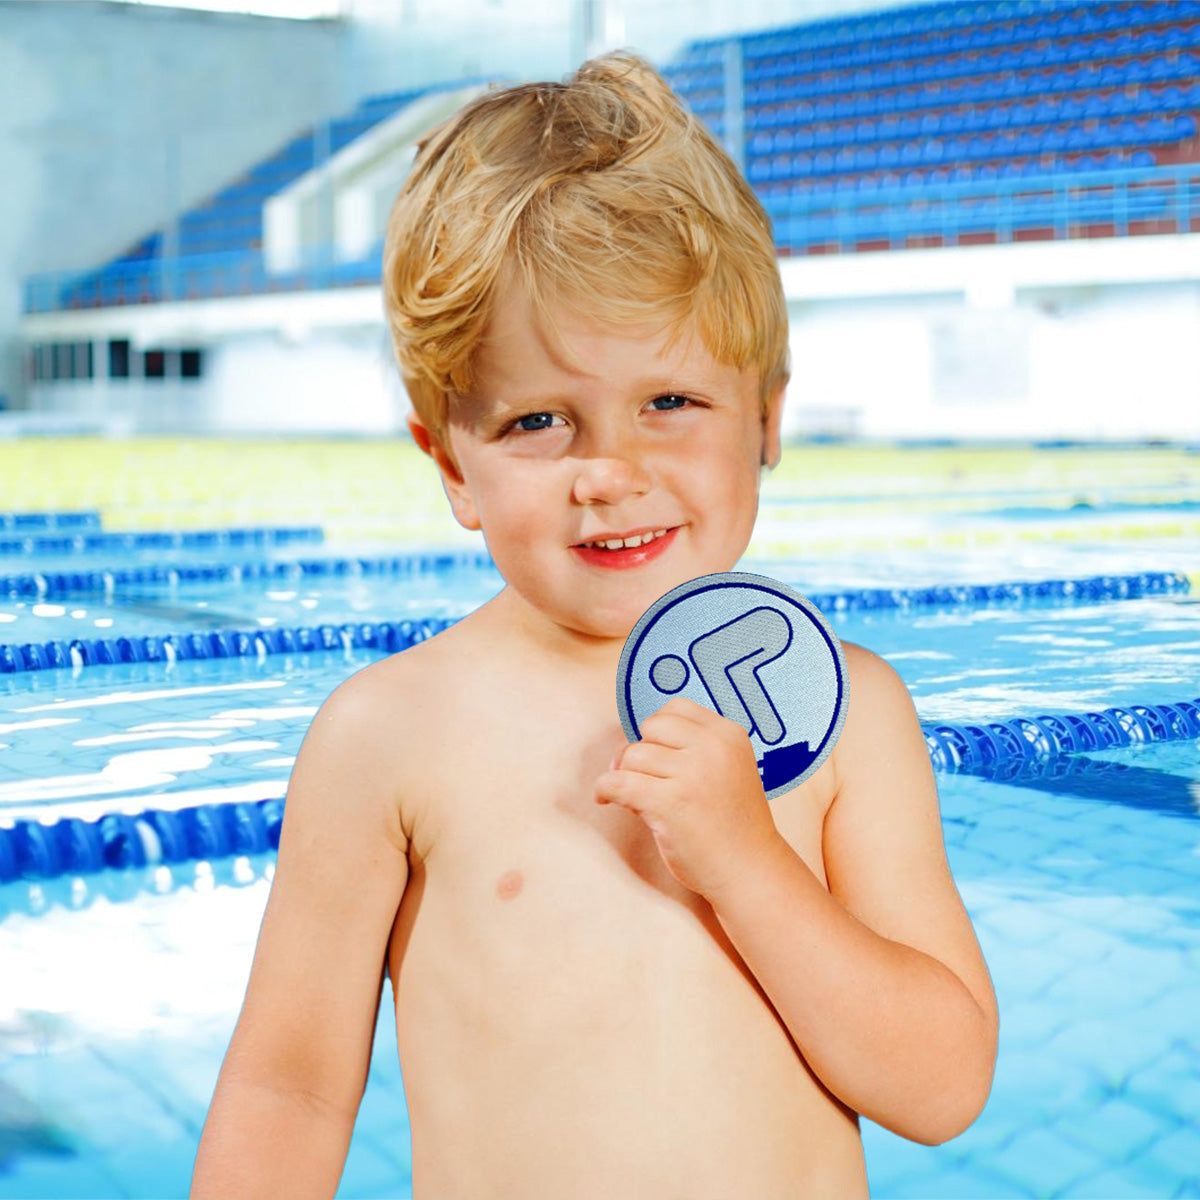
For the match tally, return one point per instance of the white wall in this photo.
(332, 381)
(1086, 338)
(395, 41)
(112, 117)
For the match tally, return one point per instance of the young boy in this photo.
(618, 970)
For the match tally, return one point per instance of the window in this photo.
(81, 365)
(191, 364)
(118, 359)
(155, 364)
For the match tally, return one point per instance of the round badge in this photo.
(753, 650)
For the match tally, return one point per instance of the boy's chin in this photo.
(608, 626)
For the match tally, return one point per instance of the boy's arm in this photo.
(288, 1093)
(880, 980)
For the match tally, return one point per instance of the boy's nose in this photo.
(609, 479)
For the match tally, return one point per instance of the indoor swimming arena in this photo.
(213, 512)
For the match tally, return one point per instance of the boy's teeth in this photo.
(628, 543)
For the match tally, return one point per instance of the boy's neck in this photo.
(540, 634)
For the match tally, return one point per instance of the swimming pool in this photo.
(1079, 869)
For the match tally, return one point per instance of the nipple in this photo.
(509, 885)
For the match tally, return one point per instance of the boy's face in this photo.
(599, 433)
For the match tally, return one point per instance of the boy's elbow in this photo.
(954, 1110)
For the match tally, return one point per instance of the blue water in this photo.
(1082, 882)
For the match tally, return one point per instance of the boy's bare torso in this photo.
(571, 1021)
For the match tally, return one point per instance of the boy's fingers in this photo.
(687, 710)
(668, 729)
(613, 788)
(648, 758)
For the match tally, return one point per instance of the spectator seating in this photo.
(957, 93)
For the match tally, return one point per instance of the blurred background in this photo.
(194, 203)
(987, 215)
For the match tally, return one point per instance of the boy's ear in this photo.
(453, 484)
(772, 423)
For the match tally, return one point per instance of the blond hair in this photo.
(603, 190)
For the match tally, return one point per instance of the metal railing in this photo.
(1059, 205)
(193, 277)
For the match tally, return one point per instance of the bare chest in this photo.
(514, 860)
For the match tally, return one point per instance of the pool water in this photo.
(121, 988)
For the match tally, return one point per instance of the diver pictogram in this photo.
(753, 650)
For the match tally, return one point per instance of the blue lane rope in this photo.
(120, 841)
(186, 539)
(977, 595)
(32, 850)
(983, 747)
(53, 655)
(24, 522)
(389, 636)
(51, 584)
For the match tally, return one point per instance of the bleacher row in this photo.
(706, 92)
(1060, 140)
(1003, 100)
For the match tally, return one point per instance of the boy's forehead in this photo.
(568, 338)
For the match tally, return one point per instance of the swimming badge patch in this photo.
(753, 650)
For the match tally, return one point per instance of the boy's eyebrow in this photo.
(696, 380)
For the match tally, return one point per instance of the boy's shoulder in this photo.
(400, 702)
(880, 711)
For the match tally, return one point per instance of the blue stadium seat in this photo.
(1159, 129)
(1028, 142)
(1056, 139)
(953, 122)
(1183, 126)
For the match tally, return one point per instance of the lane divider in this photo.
(248, 643)
(32, 850)
(390, 636)
(14, 522)
(177, 539)
(979, 595)
(55, 584)
(984, 746)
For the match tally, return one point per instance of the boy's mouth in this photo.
(622, 550)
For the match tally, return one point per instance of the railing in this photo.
(1111, 203)
(193, 277)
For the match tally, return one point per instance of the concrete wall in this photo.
(398, 43)
(112, 117)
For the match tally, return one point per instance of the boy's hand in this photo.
(693, 779)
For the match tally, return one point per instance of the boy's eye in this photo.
(669, 402)
(532, 422)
